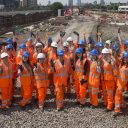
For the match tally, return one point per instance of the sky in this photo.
(44, 2)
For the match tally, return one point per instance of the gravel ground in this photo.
(72, 116)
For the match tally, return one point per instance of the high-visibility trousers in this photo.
(119, 102)
(108, 87)
(41, 94)
(80, 92)
(26, 93)
(59, 95)
(93, 94)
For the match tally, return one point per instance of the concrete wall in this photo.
(21, 19)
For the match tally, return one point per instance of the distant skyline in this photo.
(45, 2)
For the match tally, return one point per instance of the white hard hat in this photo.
(108, 42)
(41, 56)
(65, 44)
(3, 55)
(105, 50)
(38, 44)
(54, 44)
(69, 39)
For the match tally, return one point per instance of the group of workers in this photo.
(103, 68)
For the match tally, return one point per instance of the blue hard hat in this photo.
(126, 42)
(22, 46)
(94, 52)
(9, 41)
(125, 54)
(9, 46)
(79, 50)
(26, 54)
(81, 42)
(50, 40)
(99, 44)
(60, 52)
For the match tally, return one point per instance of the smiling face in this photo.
(5, 59)
(25, 59)
(39, 48)
(41, 60)
(79, 55)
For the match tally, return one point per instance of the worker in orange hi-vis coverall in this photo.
(12, 59)
(26, 78)
(122, 79)
(6, 76)
(61, 70)
(52, 55)
(20, 53)
(41, 71)
(30, 49)
(81, 77)
(108, 79)
(94, 78)
(38, 48)
(67, 56)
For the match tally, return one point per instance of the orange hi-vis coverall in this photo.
(70, 80)
(79, 73)
(122, 79)
(31, 52)
(12, 59)
(19, 58)
(51, 56)
(6, 83)
(60, 80)
(94, 82)
(108, 83)
(42, 82)
(27, 84)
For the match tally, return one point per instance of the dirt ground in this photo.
(72, 116)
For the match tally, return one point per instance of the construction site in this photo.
(47, 25)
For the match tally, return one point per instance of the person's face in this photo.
(60, 58)
(107, 45)
(39, 49)
(65, 49)
(25, 59)
(5, 59)
(23, 50)
(54, 49)
(41, 61)
(93, 57)
(126, 60)
(106, 55)
(10, 51)
(79, 55)
(70, 43)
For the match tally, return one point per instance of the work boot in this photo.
(82, 105)
(108, 110)
(116, 114)
(77, 103)
(59, 109)
(94, 107)
(41, 108)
